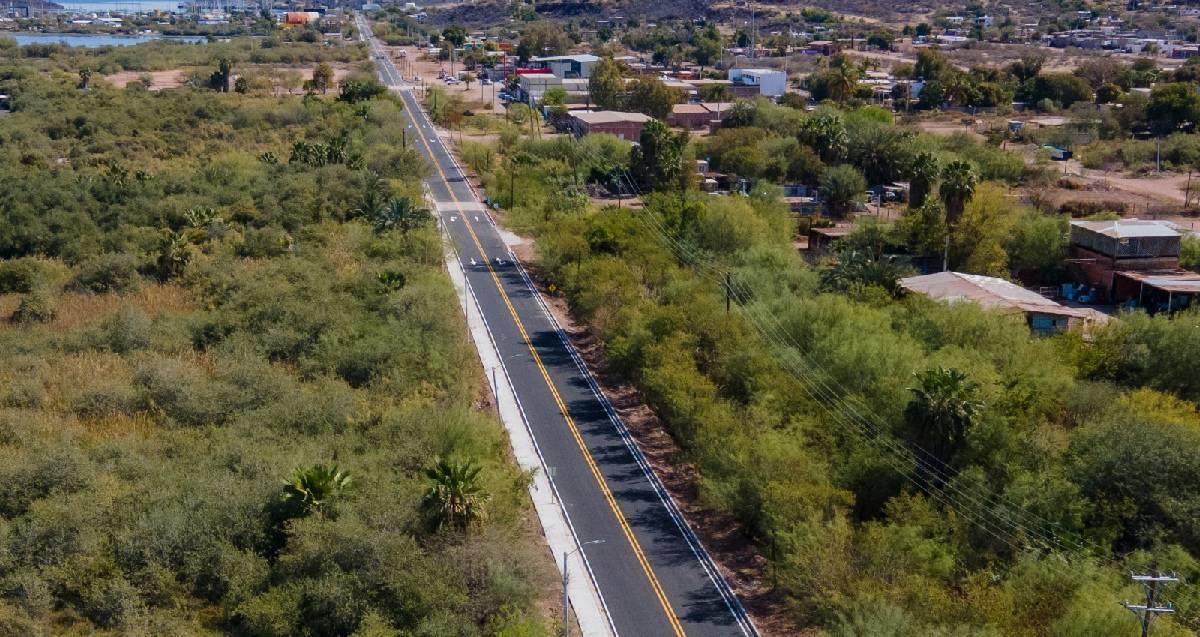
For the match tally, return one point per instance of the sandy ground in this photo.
(174, 78)
(159, 80)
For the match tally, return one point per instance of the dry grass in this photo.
(74, 310)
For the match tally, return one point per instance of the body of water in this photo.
(100, 6)
(93, 40)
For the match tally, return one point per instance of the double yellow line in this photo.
(562, 408)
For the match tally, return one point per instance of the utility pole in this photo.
(1146, 612)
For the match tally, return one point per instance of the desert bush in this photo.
(107, 273)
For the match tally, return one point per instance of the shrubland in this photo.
(236, 394)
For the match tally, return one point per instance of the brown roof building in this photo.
(696, 116)
(627, 126)
(1043, 315)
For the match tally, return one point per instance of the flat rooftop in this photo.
(609, 117)
(1129, 228)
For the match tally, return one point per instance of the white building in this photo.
(770, 83)
(568, 66)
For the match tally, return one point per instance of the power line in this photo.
(1151, 609)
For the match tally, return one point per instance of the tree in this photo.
(1028, 66)
(400, 214)
(945, 402)
(930, 64)
(651, 96)
(468, 78)
(455, 497)
(1108, 93)
(375, 194)
(923, 173)
(310, 490)
(354, 91)
(541, 38)
(1172, 105)
(606, 86)
(656, 163)
(958, 186)
(842, 187)
(322, 77)
(825, 132)
(222, 78)
(455, 34)
(718, 93)
(708, 49)
(85, 78)
(842, 82)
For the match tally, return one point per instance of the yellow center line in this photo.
(537, 359)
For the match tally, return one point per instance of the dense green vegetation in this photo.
(236, 394)
(908, 468)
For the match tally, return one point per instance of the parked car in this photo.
(485, 82)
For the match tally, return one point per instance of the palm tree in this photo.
(311, 489)
(85, 78)
(944, 404)
(843, 82)
(923, 173)
(958, 186)
(455, 497)
(400, 214)
(374, 197)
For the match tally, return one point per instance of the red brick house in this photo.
(627, 126)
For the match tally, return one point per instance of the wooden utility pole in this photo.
(1146, 612)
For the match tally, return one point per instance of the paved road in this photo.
(654, 577)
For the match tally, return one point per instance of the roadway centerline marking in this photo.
(587, 455)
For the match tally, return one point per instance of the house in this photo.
(1044, 317)
(626, 126)
(765, 82)
(698, 115)
(821, 47)
(1104, 252)
(822, 240)
(567, 66)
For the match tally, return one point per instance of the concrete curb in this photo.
(586, 600)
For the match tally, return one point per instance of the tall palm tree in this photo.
(85, 78)
(944, 404)
(958, 186)
(310, 489)
(374, 197)
(843, 83)
(455, 497)
(400, 214)
(922, 174)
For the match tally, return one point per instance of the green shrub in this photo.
(127, 330)
(107, 273)
(19, 276)
(35, 307)
(265, 242)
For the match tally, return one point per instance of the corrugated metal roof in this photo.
(1129, 228)
(1180, 281)
(985, 291)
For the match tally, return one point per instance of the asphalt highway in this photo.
(652, 573)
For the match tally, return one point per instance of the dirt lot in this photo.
(175, 78)
(159, 80)
(416, 64)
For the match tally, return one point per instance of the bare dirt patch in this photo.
(159, 80)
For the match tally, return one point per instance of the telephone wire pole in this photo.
(1146, 612)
